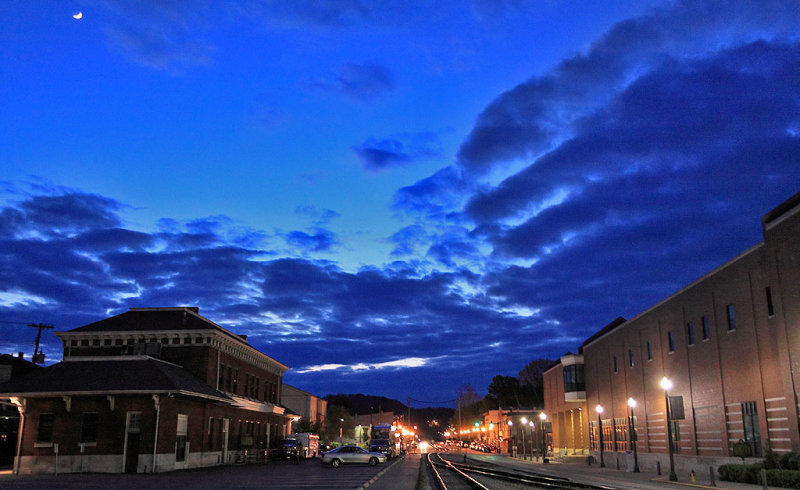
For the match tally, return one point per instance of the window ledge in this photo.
(42, 444)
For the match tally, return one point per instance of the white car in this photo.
(352, 454)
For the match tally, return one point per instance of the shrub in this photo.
(783, 478)
(789, 461)
(743, 473)
(770, 459)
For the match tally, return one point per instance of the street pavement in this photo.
(402, 473)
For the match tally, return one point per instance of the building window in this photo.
(649, 351)
(690, 333)
(615, 364)
(752, 434)
(671, 341)
(770, 306)
(89, 427)
(630, 357)
(574, 378)
(235, 380)
(676, 435)
(46, 421)
(211, 433)
(221, 378)
(706, 333)
(731, 317)
(180, 437)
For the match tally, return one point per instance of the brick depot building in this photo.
(152, 389)
(730, 345)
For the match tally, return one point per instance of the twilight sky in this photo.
(394, 198)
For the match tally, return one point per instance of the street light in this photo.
(530, 425)
(666, 384)
(599, 409)
(524, 423)
(633, 436)
(543, 417)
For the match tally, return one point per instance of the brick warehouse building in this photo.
(151, 389)
(730, 344)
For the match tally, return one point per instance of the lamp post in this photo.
(510, 423)
(543, 417)
(633, 436)
(667, 384)
(530, 434)
(599, 409)
(524, 423)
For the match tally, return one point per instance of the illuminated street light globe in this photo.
(666, 383)
(599, 408)
(631, 403)
(524, 420)
(542, 416)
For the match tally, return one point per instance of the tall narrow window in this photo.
(180, 437)
(671, 341)
(45, 433)
(615, 364)
(211, 433)
(752, 434)
(235, 381)
(731, 318)
(690, 333)
(770, 307)
(630, 357)
(89, 427)
(649, 351)
(706, 333)
(221, 379)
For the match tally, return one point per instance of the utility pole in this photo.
(39, 327)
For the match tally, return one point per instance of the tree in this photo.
(503, 391)
(305, 425)
(530, 380)
(337, 418)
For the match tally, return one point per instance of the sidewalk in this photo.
(612, 477)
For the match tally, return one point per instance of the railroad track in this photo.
(450, 475)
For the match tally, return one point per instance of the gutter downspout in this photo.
(157, 402)
(19, 402)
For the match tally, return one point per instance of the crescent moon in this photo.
(78, 16)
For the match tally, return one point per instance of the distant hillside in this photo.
(429, 420)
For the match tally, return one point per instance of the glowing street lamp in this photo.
(633, 436)
(666, 384)
(543, 417)
(524, 423)
(599, 409)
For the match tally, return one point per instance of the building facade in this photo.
(565, 405)
(304, 404)
(729, 347)
(151, 389)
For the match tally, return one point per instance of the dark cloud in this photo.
(435, 196)
(536, 115)
(320, 241)
(397, 151)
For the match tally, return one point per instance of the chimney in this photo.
(20, 355)
(244, 337)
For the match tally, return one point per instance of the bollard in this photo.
(617, 462)
(658, 468)
(465, 457)
(764, 478)
(711, 476)
(693, 476)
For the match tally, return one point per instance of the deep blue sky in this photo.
(393, 198)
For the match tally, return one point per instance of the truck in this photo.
(382, 440)
(310, 443)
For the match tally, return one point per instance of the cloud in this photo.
(378, 154)
(359, 82)
(410, 362)
(535, 116)
(320, 241)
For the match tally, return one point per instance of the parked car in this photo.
(287, 449)
(382, 446)
(352, 454)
